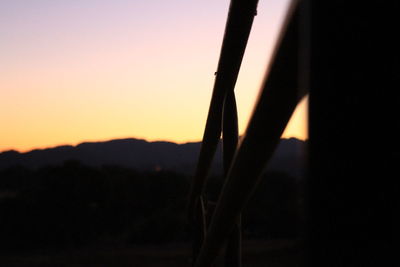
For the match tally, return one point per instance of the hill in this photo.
(146, 156)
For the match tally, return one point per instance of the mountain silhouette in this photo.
(147, 156)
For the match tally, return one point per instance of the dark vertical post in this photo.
(351, 195)
(233, 253)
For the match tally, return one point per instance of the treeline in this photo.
(73, 205)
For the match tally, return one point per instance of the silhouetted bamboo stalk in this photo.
(198, 228)
(237, 30)
(230, 133)
(276, 103)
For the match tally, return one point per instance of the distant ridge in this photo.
(146, 156)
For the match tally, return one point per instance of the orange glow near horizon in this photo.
(76, 71)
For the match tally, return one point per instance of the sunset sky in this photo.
(93, 70)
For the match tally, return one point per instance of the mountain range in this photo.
(142, 155)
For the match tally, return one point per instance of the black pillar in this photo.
(353, 121)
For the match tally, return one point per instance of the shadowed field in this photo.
(255, 254)
(77, 215)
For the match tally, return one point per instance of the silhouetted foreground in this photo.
(277, 253)
(73, 207)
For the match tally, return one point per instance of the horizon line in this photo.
(120, 138)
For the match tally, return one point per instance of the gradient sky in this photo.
(91, 70)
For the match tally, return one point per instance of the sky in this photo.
(93, 70)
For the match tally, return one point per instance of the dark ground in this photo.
(256, 253)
